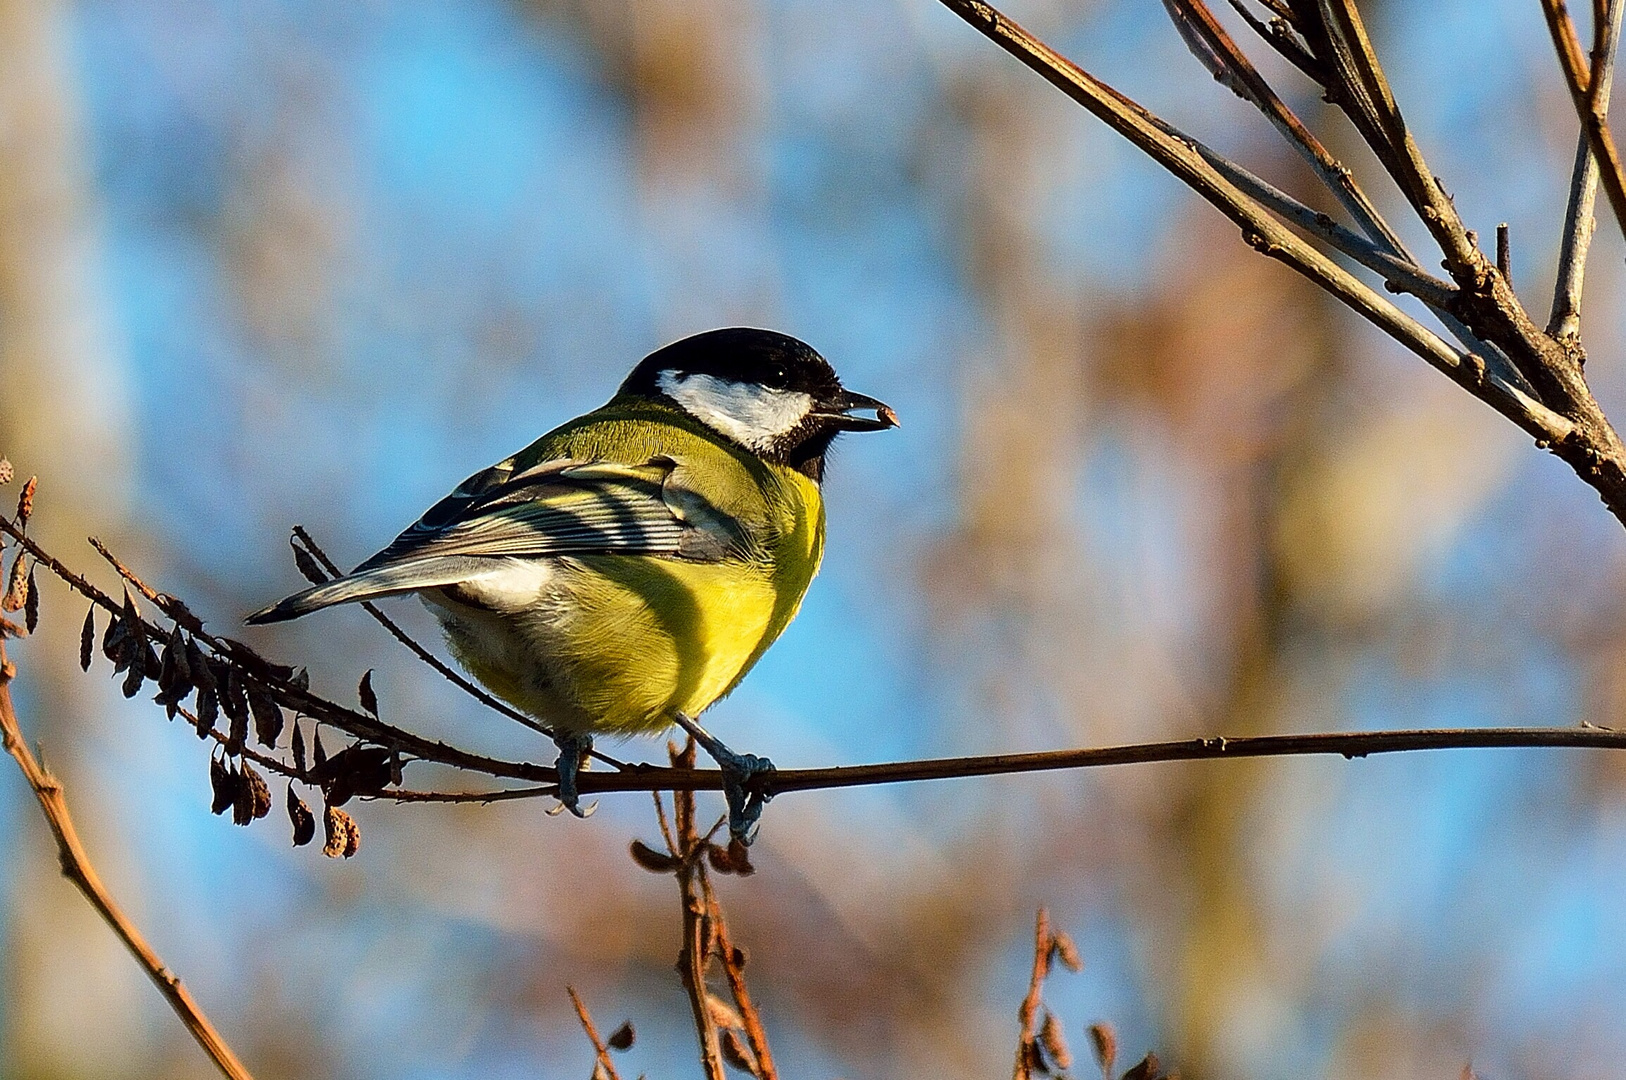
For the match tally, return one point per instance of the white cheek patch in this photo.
(752, 415)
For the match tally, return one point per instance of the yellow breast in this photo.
(623, 642)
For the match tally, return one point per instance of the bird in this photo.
(623, 573)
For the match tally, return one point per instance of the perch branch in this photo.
(77, 868)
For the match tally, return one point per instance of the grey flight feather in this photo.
(552, 510)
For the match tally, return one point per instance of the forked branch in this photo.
(1327, 39)
(1591, 98)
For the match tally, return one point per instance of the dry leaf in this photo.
(87, 639)
(656, 862)
(304, 822)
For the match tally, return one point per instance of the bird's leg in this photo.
(746, 794)
(573, 750)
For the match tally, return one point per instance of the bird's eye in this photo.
(777, 377)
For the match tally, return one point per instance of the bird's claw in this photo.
(747, 781)
(573, 751)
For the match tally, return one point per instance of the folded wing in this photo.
(554, 509)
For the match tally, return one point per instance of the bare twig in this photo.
(1219, 52)
(1028, 1014)
(1399, 273)
(599, 1048)
(696, 946)
(1579, 219)
(1176, 154)
(1350, 744)
(1560, 412)
(1593, 111)
(77, 868)
(733, 961)
(1404, 158)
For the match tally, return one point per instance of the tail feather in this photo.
(388, 580)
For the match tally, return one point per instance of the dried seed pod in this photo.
(259, 791)
(166, 672)
(722, 1013)
(1148, 1068)
(1033, 1056)
(622, 1037)
(353, 844)
(6, 471)
(656, 862)
(343, 835)
(223, 782)
(242, 807)
(134, 676)
(739, 858)
(300, 815)
(25, 502)
(208, 710)
(1054, 1042)
(234, 703)
(183, 662)
(1062, 948)
(87, 639)
(1105, 1042)
(267, 715)
(355, 770)
(299, 749)
(717, 855)
(317, 753)
(369, 700)
(736, 1053)
(17, 585)
(31, 603)
(132, 617)
(202, 674)
(174, 674)
(113, 640)
(306, 562)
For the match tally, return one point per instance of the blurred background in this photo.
(303, 262)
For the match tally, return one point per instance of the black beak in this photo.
(839, 412)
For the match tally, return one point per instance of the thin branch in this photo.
(599, 1048)
(1579, 218)
(1212, 45)
(733, 961)
(1345, 744)
(435, 662)
(1028, 1014)
(696, 946)
(1401, 274)
(77, 868)
(1579, 222)
(1593, 114)
(1416, 179)
(1176, 154)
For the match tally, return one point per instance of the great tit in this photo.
(624, 571)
